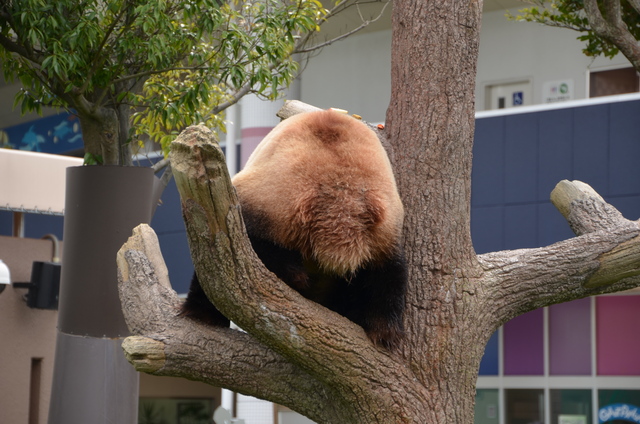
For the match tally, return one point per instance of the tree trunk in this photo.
(298, 354)
(105, 132)
(430, 124)
(101, 133)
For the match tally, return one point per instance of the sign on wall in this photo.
(619, 412)
(557, 91)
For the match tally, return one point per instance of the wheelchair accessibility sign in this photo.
(518, 98)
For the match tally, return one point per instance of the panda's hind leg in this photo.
(285, 263)
(376, 300)
(198, 306)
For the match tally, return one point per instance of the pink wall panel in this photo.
(618, 335)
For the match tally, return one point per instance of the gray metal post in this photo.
(92, 381)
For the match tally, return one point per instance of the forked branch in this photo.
(298, 338)
(165, 343)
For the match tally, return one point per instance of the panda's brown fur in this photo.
(323, 213)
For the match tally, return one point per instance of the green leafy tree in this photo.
(136, 68)
(608, 26)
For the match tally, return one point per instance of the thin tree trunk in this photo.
(101, 134)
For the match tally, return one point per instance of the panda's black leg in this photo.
(286, 264)
(199, 307)
(376, 301)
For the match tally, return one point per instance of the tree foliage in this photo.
(607, 26)
(159, 64)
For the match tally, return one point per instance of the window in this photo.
(616, 81)
(175, 411)
(571, 406)
(486, 411)
(619, 406)
(524, 406)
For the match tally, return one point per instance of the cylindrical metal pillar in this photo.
(92, 381)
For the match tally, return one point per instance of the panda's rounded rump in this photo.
(324, 170)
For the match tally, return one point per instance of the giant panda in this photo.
(322, 211)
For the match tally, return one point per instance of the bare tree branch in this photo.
(611, 27)
(635, 4)
(603, 259)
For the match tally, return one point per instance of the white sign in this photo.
(557, 91)
(619, 411)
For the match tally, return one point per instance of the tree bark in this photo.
(101, 134)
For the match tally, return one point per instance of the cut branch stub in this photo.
(294, 107)
(144, 280)
(145, 354)
(208, 183)
(585, 210)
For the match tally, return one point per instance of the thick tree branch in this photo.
(603, 259)
(324, 344)
(165, 343)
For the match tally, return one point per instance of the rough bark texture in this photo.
(301, 355)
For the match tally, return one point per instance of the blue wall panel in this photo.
(490, 364)
(629, 206)
(625, 148)
(521, 154)
(520, 226)
(487, 229)
(488, 163)
(591, 147)
(552, 227)
(175, 251)
(168, 224)
(168, 215)
(598, 144)
(555, 150)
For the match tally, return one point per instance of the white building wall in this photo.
(352, 74)
(513, 51)
(355, 73)
(254, 411)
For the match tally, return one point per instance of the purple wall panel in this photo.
(618, 344)
(570, 338)
(523, 344)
